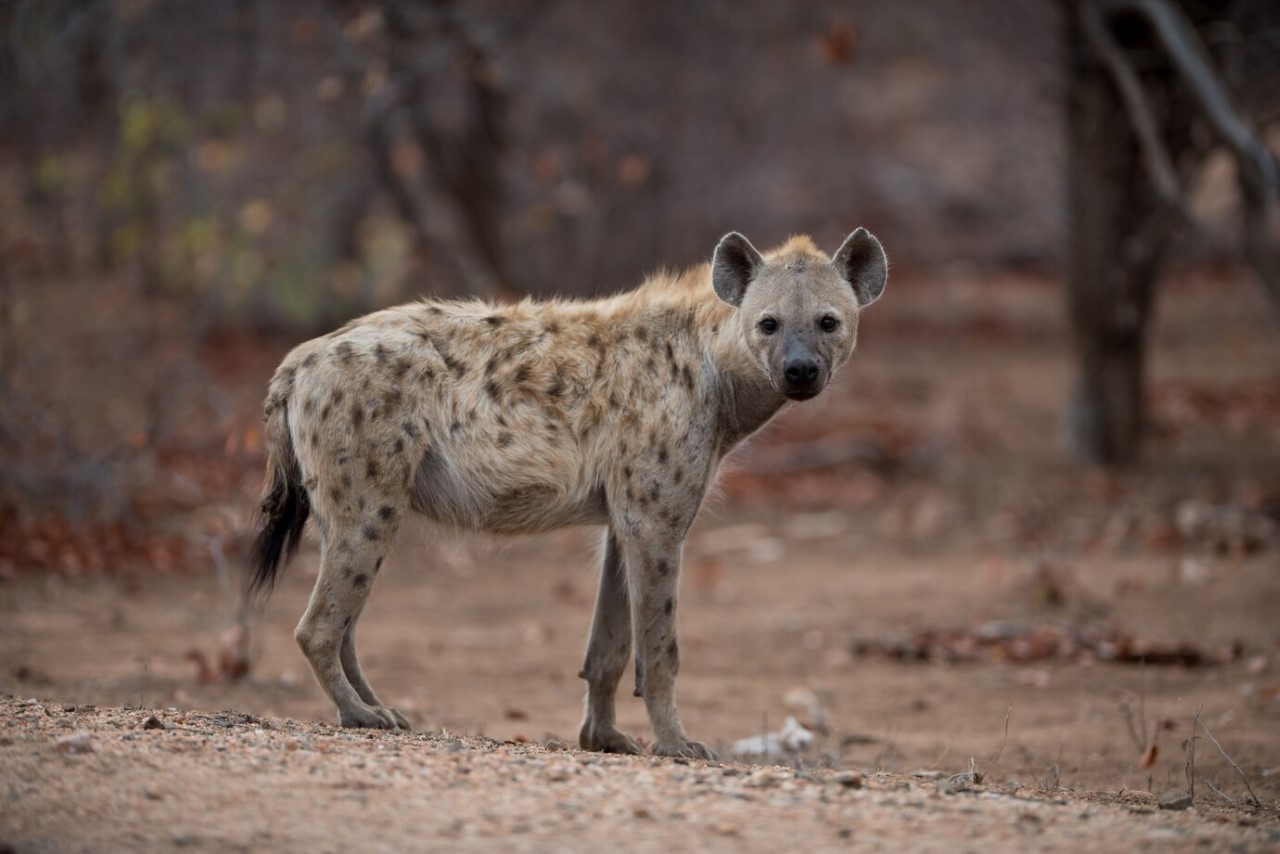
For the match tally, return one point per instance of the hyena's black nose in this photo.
(801, 372)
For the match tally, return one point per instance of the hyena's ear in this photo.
(862, 262)
(734, 265)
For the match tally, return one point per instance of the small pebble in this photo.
(848, 779)
(77, 742)
(1175, 799)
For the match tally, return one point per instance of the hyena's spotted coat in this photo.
(531, 417)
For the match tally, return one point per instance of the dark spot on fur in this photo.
(654, 492)
(662, 453)
(552, 327)
(371, 468)
(385, 512)
(556, 388)
(360, 580)
(380, 354)
(673, 650)
(335, 495)
(642, 333)
(391, 400)
(458, 368)
(627, 472)
(401, 368)
(668, 607)
(309, 406)
(662, 567)
(687, 376)
(594, 342)
(371, 533)
(494, 320)
(409, 429)
(521, 375)
(309, 361)
(491, 366)
(501, 419)
(315, 437)
(338, 396)
(326, 411)
(357, 415)
(671, 354)
(677, 475)
(398, 447)
(455, 426)
(346, 481)
(344, 351)
(491, 389)
(504, 439)
(378, 565)
(434, 309)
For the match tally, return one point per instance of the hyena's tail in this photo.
(285, 507)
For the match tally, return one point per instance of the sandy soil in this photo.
(960, 512)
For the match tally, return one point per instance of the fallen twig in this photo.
(1252, 795)
(1219, 792)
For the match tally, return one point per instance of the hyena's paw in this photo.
(607, 739)
(372, 717)
(685, 748)
(401, 721)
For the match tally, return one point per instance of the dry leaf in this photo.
(1149, 757)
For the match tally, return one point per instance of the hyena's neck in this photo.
(745, 397)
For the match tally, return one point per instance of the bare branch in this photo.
(1259, 172)
(1155, 155)
(1189, 56)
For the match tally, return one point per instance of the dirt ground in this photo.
(928, 571)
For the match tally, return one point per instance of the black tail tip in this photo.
(285, 514)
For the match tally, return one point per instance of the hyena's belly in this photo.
(503, 496)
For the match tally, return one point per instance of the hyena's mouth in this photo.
(798, 396)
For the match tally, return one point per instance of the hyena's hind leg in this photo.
(608, 651)
(354, 547)
(355, 675)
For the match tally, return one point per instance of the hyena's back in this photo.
(506, 420)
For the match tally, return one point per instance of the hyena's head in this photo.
(798, 309)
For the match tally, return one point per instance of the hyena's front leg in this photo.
(608, 651)
(653, 573)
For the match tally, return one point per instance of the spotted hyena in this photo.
(531, 417)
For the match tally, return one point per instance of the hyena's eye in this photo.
(768, 326)
(829, 324)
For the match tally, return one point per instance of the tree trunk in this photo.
(1115, 245)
